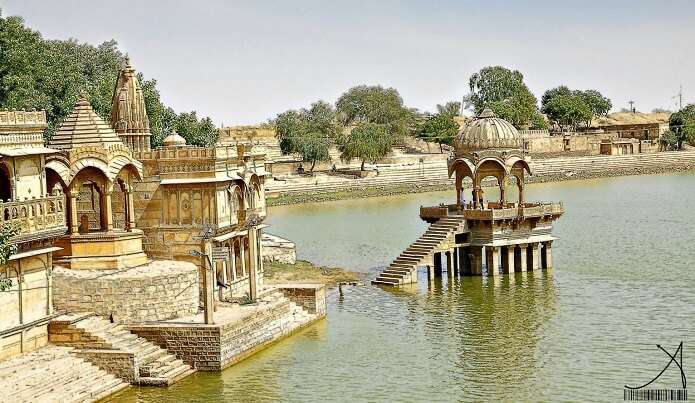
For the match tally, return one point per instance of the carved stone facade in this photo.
(26, 307)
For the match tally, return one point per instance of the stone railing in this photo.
(21, 138)
(34, 216)
(21, 118)
(494, 211)
(434, 212)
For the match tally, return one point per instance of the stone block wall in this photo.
(311, 297)
(197, 345)
(215, 347)
(121, 364)
(158, 290)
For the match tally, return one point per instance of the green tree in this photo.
(308, 132)
(368, 142)
(36, 73)
(440, 128)
(503, 91)
(681, 128)
(538, 122)
(369, 112)
(197, 132)
(7, 249)
(597, 103)
(568, 110)
(552, 93)
(451, 108)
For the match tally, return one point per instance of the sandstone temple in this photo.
(476, 235)
(133, 265)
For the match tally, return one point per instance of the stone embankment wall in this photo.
(215, 347)
(157, 291)
(276, 249)
(392, 181)
(119, 363)
(311, 297)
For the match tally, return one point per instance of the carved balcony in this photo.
(36, 218)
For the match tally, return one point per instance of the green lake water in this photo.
(623, 281)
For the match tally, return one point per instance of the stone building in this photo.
(189, 192)
(482, 236)
(29, 205)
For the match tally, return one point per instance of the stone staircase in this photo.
(404, 268)
(54, 374)
(90, 334)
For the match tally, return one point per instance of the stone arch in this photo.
(485, 168)
(462, 169)
(89, 186)
(236, 201)
(6, 186)
(255, 192)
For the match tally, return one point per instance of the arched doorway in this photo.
(5, 183)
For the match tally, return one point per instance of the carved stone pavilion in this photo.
(93, 168)
(480, 236)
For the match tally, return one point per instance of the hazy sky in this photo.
(245, 62)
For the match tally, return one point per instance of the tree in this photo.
(308, 132)
(36, 73)
(196, 132)
(367, 142)
(451, 108)
(376, 120)
(7, 249)
(538, 122)
(552, 93)
(440, 128)
(568, 110)
(503, 91)
(681, 128)
(597, 103)
(573, 104)
(374, 104)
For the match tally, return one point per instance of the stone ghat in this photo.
(406, 179)
(159, 290)
(239, 331)
(55, 374)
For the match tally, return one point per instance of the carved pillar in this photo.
(208, 304)
(438, 264)
(493, 260)
(548, 253)
(231, 263)
(477, 261)
(253, 259)
(523, 254)
(503, 189)
(242, 257)
(534, 257)
(521, 193)
(72, 206)
(107, 210)
(49, 283)
(131, 208)
(450, 264)
(508, 259)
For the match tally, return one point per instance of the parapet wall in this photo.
(160, 290)
(238, 332)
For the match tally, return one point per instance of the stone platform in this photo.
(55, 374)
(276, 249)
(239, 330)
(101, 250)
(159, 290)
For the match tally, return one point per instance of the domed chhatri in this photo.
(485, 132)
(174, 140)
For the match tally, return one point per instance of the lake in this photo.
(622, 282)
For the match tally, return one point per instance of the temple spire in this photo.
(128, 114)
